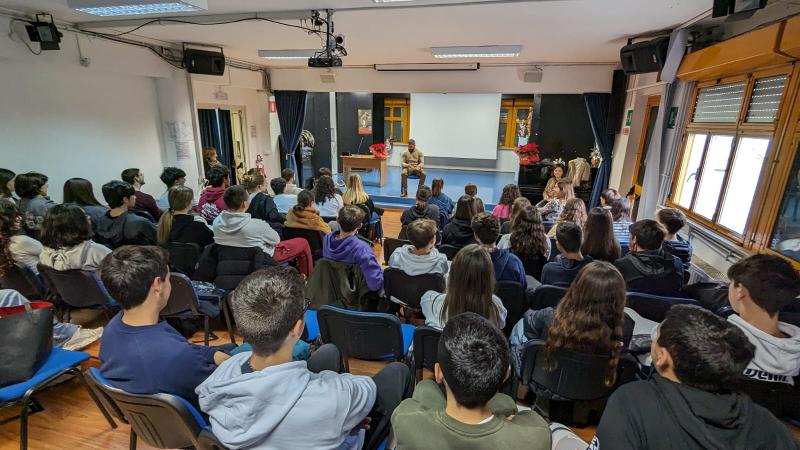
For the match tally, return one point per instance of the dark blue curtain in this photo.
(291, 107)
(215, 131)
(597, 108)
(209, 129)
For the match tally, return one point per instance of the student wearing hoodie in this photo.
(177, 224)
(265, 400)
(458, 231)
(421, 210)
(421, 256)
(144, 202)
(345, 246)
(673, 220)
(570, 260)
(235, 227)
(67, 240)
(762, 286)
(211, 202)
(688, 404)
(305, 214)
(33, 202)
(647, 268)
(507, 266)
(119, 227)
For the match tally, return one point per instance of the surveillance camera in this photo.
(339, 39)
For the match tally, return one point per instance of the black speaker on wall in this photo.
(204, 62)
(644, 57)
(616, 105)
(724, 7)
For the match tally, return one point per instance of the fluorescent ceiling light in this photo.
(426, 67)
(477, 51)
(287, 54)
(108, 8)
(391, 1)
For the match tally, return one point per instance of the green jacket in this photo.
(338, 284)
(420, 422)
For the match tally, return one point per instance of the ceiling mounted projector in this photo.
(108, 8)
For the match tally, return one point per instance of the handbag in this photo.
(26, 333)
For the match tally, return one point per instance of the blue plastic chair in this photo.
(312, 326)
(60, 362)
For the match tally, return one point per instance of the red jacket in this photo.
(211, 203)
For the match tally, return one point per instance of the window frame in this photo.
(397, 102)
(513, 105)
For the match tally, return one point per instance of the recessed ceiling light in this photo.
(108, 8)
(477, 51)
(287, 54)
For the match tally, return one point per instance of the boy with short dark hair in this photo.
(265, 400)
(171, 177)
(570, 260)
(507, 266)
(283, 201)
(291, 186)
(144, 202)
(646, 268)
(473, 363)
(762, 286)
(674, 220)
(139, 353)
(120, 227)
(421, 256)
(345, 246)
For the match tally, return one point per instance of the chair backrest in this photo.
(390, 245)
(161, 420)
(182, 297)
(546, 296)
(96, 382)
(654, 307)
(183, 257)
(513, 296)
(207, 441)
(449, 250)
(313, 237)
(426, 347)
(362, 335)
(409, 289)
(77, 288)
(23, 280)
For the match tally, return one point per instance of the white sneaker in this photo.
(83, 338)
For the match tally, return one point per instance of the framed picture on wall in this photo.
(364, 121)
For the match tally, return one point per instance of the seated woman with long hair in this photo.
(503, 208)
(356, 195)
(80, 192)
(178, 224)
(328, 202)
(574, 211)
(440, 199)
(458, 231)
(528, 241)
(589, 319)
(519, 204)
(598, 236)
(305, 214)
(562, 191)
(470, 288)
(67, 240)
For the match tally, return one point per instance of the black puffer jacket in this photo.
(652, 272)
(458, 233)
(227, 266)
(263, 207)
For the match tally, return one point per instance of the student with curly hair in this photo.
(503, 208)
(16, 247)
(562, 191)
(31, 188)
(7, 185)
(528, 241)
(329, 202)
(171, 177)
(574, 211)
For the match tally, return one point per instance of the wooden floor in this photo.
(70, 419)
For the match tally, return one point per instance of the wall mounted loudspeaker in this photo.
(644, 57)
(204, 62)
(532, 76)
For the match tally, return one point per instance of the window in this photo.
(724, 151)
(785, 237)
(516, 118)
(395, 119)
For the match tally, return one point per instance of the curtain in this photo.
(291, 107)
(209, 129)
(225, 149)
(597, 108)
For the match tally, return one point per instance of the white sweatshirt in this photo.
(777, 359)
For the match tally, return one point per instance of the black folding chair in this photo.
(390, 245)
(364, 335)
(654, 307)
(77, 289)
(449, 250)
(407, 290)
(513, 296)
(546, 296)
(553, 250)
(184, 303)
(313, 237)
(23, 280)
(426, 349)
(183, 257)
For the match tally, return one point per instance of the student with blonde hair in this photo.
(178, 224)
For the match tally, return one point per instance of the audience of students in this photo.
(140, 354)
(16, 247)
(574, 211)
(329, 202)
(440, 199)
(505, 228)
(7, 185)
(598, 236)
(607, 197)
(689, 402)
(291, 186)
(528, 242)
(510, 193)
(345, 246)
(673, 221)
(284, 201)
(458, 231)
(646, 268)
(471, 189)
(81, 192)
(550, 192)
(562, 192)
(144, 202)
(264, 399)
(422, 209)
(171, 177)
(462, 408)
(178, 224)
(262, 206)
(470, 288)
(67, 240)
(421, 256)
(507, 266)
(570, 260)
(305, 214)
(120, 227)
(33, 202)
(211, 203)
(621, 213)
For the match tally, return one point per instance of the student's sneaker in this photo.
(83, 338)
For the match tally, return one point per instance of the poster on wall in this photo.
(364, 121)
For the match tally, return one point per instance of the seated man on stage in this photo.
(412, 161)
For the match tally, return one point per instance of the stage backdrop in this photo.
(456, 125)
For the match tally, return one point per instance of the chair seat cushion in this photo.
(58, 361)
(312, 326)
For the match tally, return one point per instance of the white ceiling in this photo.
(549, 30)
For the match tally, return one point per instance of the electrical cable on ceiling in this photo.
(21, 38)
(189, 22)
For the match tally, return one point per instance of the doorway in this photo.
(223, 128)
(650, 117)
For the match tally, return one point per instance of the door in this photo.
(650, 117)
(239, 149)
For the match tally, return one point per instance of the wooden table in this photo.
(365, 162)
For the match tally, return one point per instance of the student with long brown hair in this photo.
(598, 236)
(510, 193)
(589, 319)
(81, 192)
(470, 288)
(563, 191)
(621, 212)
(305, 214)
(423, 209)
(528, 241)
(178, 224)
(458, 231)
(574, 211)
(439, 198)
(519, 204)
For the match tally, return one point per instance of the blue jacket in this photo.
(508, 267)
(562, 271)
(352, 250)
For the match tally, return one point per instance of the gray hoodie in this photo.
(241, 230)
(285, 406)
(776, 359)
(413, 265)
(85, 256)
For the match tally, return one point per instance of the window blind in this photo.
(719, 104)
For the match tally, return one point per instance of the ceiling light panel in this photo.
(477, 51)
(109, 8)
(287, 54)
(391, 1)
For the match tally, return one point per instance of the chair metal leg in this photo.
(206, 330)
(227, 313)
(96, 400)
(23, 424)
(132, 445)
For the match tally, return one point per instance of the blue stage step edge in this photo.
(392, 202)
